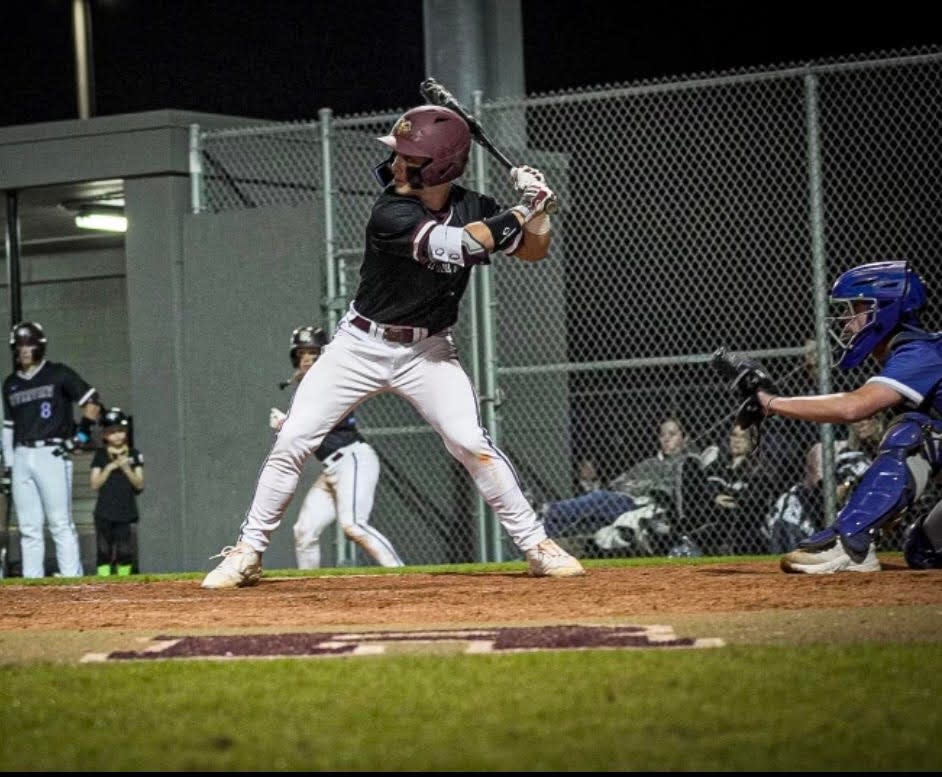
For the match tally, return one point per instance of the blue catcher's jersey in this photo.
(914, 369)
(40, 407)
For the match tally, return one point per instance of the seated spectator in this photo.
(587, 476)
(721, 507)
(799, 512)
(728, 499)
(655, 478)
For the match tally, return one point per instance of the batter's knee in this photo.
(469, 446)
(305, 537)
(354, 532)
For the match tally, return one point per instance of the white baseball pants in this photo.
(42, 492)
(356, 365)
(344, 492)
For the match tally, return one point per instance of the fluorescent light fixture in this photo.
(102, 217)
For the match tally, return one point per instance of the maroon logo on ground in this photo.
(483, 640)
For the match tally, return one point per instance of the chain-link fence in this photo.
(695, 213)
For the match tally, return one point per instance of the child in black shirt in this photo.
(118, 476)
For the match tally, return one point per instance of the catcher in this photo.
(877, 315)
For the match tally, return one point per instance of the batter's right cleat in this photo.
(828, 560)
(549, 560)
(241, 566)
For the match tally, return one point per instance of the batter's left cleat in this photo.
(828, 560)
(241, 566)
(549, 560)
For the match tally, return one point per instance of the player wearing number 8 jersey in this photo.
(38, 432)
(424, 236)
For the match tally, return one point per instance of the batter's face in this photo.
(400, 170)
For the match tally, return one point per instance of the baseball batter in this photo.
(345, 489)
(38, 433)
(423, 238)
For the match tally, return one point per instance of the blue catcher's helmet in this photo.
(893, 294)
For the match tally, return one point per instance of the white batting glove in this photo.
(533, 201)
(525, 176)
(276, 419)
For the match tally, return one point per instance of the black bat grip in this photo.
(284, 384)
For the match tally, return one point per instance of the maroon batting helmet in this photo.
(438, 134)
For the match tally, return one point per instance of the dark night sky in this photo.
(285, 59)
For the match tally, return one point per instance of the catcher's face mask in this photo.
(851, 326)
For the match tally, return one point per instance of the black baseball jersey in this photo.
(339, 437)
(117, 498)
(398, 285)
(40, 407)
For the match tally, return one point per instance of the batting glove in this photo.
(276, 419)
(534, 200)
(525, 176)
(65, 447)
(6, 482)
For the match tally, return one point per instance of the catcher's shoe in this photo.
(549, 560)
(827, 560)
(241, 566)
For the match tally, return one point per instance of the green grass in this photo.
(743, 707)
(867, 707)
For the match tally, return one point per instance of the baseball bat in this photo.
(436, 94)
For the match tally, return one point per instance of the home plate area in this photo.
(437, 641)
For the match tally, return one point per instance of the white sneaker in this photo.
(241, 565)
(549, 560)
(829, 560)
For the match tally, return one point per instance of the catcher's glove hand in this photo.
(746, 377)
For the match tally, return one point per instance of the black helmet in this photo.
(115, 418)
(29, 333)
(308, 337)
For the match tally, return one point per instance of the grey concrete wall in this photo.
(122, 146)
(249, 278)
(155, 208)
(212, 303)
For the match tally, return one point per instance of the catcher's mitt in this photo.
(746, 377)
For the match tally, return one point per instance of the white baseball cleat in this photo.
(241, 566)
(547, 559)
(829, 560)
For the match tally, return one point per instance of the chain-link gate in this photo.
(694, 214)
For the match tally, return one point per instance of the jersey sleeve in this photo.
(912, 370)
(7, 410)
(75, 387)
(393, 225)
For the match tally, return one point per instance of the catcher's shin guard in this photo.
(888, 488)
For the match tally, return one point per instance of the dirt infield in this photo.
(437, 599)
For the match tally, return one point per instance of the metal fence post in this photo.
(346, 554)
(819, 260)
(484, 280)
